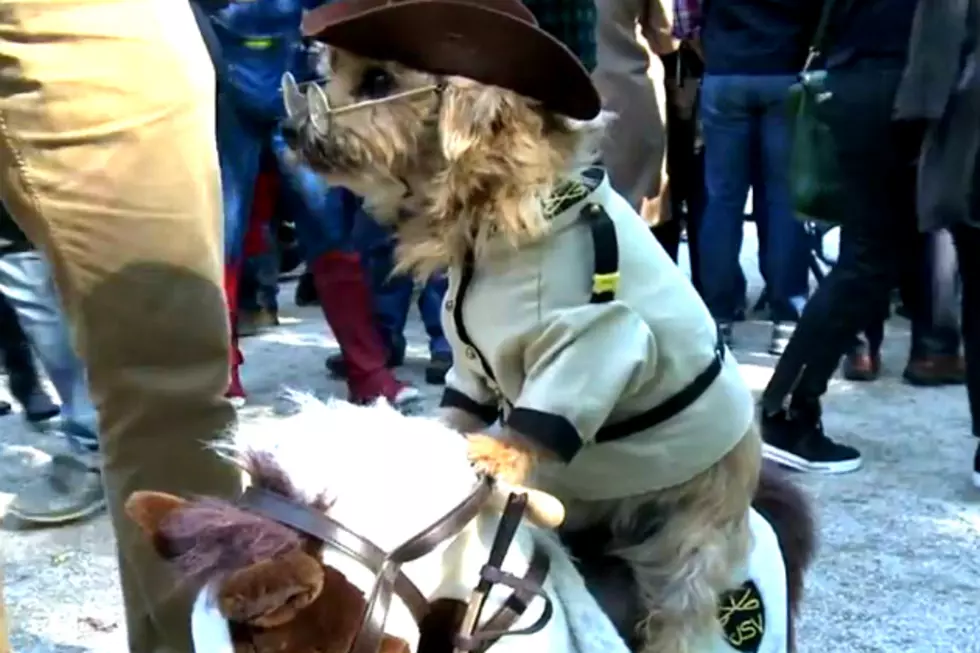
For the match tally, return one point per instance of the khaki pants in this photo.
(108, 162)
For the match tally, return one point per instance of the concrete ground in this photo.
(898, 570)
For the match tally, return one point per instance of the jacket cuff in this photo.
(552, 432)
(455, 399)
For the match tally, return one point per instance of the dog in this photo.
(497, 186)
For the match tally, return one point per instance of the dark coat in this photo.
(941, 85)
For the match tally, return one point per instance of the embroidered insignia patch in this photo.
(743, 618)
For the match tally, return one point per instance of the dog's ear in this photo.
(150, 509)
(471, 114)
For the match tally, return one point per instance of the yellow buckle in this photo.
(258, 44)
(603, 283)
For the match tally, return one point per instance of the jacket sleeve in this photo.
(467, 392)
(577, 366)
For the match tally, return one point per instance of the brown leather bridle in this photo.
(390, 580)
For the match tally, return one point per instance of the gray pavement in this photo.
(899, 565)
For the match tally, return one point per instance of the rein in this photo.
(390, 580)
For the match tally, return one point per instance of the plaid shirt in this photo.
(688, 15)
(573, 22)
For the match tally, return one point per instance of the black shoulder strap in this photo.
(605, 248)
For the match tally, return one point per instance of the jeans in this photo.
(393, 293)
(25, 281)
(317, 210)
(746, 142)
(878, 223)
(260, 278)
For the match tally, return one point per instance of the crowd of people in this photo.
(156, 317)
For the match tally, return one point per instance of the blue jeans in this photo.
(26, 283)
(393, 293)
(315, 208)
(746, 141)
(259, 287)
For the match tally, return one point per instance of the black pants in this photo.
(878, 222)
(929, 288)
(967, 240)
(16, 355)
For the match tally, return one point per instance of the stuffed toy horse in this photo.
(273, 589)
(385, 477)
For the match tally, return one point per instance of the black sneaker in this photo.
(803, 446)
(726, 333)
(781, 333)
(976, 468)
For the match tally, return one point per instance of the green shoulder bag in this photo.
(815, 178)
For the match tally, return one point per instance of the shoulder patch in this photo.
(743, 618)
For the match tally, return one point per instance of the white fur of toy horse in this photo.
(389, 477)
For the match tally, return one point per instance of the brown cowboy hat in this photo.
(496, 42)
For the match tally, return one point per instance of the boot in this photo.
(345, 299)
(235, 392)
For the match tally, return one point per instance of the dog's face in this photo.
(381, 115)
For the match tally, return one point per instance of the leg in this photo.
(878, 158)
(430, 308)
(18, 358)
(787, 249)
(930, 291)
(324, 223)
(239, 154)
(967, 240)
(77, 492)
(701, 539)
(392, 292)
(103, 193)
(727, 147)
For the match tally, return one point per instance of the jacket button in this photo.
(470, 353)
(450, 304)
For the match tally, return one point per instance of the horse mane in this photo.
(208, 537)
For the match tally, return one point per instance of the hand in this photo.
(502, 457)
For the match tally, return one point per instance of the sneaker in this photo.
(781, 333)
(39, 409)
(803, 446)
(438, 368)
(727, 336)
(408, 401)
(976, 468)
(252, 323)
(69, 489)
(337, 366)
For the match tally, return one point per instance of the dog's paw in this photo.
(500, 457)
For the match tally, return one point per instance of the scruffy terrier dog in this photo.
(496, 187)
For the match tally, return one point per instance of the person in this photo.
(259, 42)
(31, 304)
(877, 157)
(116, 180)
(23, 378)
(929, 290)
(752, 52)
(634, 151)
(940, 85)
(392, 300)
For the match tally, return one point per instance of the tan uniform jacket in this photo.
(527, 340)
(628, 78)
